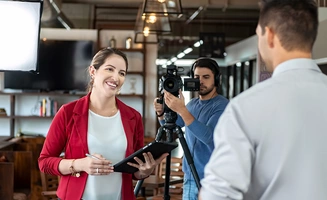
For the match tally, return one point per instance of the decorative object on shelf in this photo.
(132, 82)
(112, 42)
(163, 7)
(3, 112)
(128, 43)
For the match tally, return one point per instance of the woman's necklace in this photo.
(105, 112)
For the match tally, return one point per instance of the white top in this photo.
(106, 136)
(270, 143)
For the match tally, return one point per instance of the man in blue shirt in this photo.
(199, 117)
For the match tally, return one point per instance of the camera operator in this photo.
(199, 117)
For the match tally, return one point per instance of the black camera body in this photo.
(172, 82)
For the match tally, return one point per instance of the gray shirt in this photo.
(270, 143)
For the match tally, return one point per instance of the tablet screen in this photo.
(156, 149)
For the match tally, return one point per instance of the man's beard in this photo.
(206, 91)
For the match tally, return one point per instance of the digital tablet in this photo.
(156, 149)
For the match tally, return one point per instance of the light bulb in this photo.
(152, 18)
(146, 31)
(161, 1)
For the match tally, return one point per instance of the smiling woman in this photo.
(101, 125)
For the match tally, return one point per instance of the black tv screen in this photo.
(62, 67)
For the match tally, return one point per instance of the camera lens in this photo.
(170, 84)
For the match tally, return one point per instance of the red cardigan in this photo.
(68, 132)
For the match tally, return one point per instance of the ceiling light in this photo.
(152, 18)
(197, 44)
(188, 50)
(173, 59)
(181, 55)
(163, 6)
(161, 61)
(146, 31)
(194, 15)
(152, 23)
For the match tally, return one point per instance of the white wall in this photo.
(244, 50)
(1, 81)
(320, 47)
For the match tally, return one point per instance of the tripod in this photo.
(169, 128)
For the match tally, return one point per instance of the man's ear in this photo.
(270, 37)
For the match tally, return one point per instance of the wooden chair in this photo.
(49, 186)
(15, 173)
(175, 191)
(6, 180)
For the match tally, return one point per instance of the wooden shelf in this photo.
(4, 116)
(32, 117)
(26, 117)
(128, 50)
(42, 93)
(131, 95)
(135, 73)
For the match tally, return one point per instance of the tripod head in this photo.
(169, 115)
(169, 127)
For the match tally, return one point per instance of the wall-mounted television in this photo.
(19, 36)
(62, 67)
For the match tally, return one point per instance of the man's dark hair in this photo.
(294, 21)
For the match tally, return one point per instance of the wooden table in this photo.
(155, 182)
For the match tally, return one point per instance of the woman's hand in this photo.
(147, 167)
(96, 165)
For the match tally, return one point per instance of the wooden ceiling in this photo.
(237, 19)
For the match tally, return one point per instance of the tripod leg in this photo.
(188, 156)
(167, 178)
(159, 133)
(137, 187)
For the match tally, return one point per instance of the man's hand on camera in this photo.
(158, 107)
(178, 105)
(174, 103)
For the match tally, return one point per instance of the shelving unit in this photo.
(138, 73)
(22, 109)
(136, 56)
(18, 108)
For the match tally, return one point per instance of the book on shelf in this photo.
(48, 107)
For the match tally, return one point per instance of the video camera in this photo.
(172, 83)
